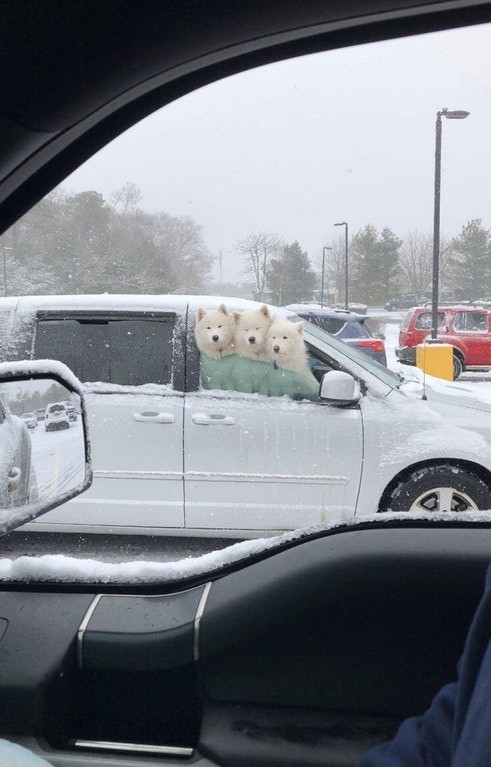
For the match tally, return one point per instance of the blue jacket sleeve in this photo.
(424, 741)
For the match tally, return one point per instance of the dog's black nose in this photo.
(252, 339)
(276, 349)
(214, 338)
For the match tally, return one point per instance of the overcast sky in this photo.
(294, 147)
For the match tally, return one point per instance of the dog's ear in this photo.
(223, 309)
(299, 327)
(200, 314)
(237, 316)
(265, 310)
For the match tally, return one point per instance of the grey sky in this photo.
(293, 147)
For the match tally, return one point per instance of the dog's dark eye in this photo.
(220, 326)
(285, 338)
(208, 327)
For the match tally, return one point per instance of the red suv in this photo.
(466, 328)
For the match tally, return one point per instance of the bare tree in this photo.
(127, 198)
(415, 261)
(258, 249)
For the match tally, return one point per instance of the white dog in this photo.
(214, 332)
(250, 333)
(285, 347)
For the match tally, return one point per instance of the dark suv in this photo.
(404, 301)
(346, 325)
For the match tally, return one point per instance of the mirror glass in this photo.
(42, 443)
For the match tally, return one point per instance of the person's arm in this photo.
(423, 741)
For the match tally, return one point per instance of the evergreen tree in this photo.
(373, 264)
(469, 260)
(290, 276)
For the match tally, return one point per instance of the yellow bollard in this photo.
(435, 359)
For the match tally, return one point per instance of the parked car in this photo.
(56, 417)
(404, 301)
(41, 413)
(466, 328)
(350, 327)
(305, 649)
(30, 420)
(15, 459)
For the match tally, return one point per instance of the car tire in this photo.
(458, 367)
(432, 488)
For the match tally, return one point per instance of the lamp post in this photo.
(456, 114)
(323, 270)
(344, 223)
(4, 249)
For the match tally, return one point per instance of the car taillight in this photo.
(375, 344)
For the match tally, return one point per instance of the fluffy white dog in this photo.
(214, 331)
(250, 333)
(285, 347)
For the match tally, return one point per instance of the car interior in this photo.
(304, 654)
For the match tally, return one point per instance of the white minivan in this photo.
(171, 455)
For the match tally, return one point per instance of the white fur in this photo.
(214, 332)
(285, 347)
(250, 333)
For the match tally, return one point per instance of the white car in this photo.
(30, 419)
(56, 417)
(15, 459)
(171, 456)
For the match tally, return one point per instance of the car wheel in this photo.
(440, 488)
(457, 367)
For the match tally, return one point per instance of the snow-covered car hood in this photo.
(447, 392)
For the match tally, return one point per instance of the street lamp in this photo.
(344, 223)
(456, 114)
(323, 269)
(4, 249)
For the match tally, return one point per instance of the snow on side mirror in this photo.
(44, 447)
(339, 388)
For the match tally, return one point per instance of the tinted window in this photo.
(331, 325)
(471, 322)
(126, 352)
(354, 330)
(423, 322)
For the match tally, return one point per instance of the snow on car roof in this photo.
(128, 302)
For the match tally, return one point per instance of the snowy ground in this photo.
(58, 458)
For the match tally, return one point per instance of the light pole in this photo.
(344, 223)
(4, 249)
(323, 271)
(456, 114)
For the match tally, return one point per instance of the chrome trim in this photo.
(141, 748)
(122, 474)
(197, 619)
(324, 479)
(83, 627)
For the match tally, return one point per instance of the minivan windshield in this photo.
(365, 362)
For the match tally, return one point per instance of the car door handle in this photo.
(213, 419)
(13, 481)
(153, 417)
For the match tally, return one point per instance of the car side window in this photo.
(471, 322)
(128, 351)
(424, 322)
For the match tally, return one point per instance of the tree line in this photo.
(82, 243)
(380, 265)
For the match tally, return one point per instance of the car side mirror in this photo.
(44, 447)
(339, 388)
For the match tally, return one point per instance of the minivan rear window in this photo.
(128, 352)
